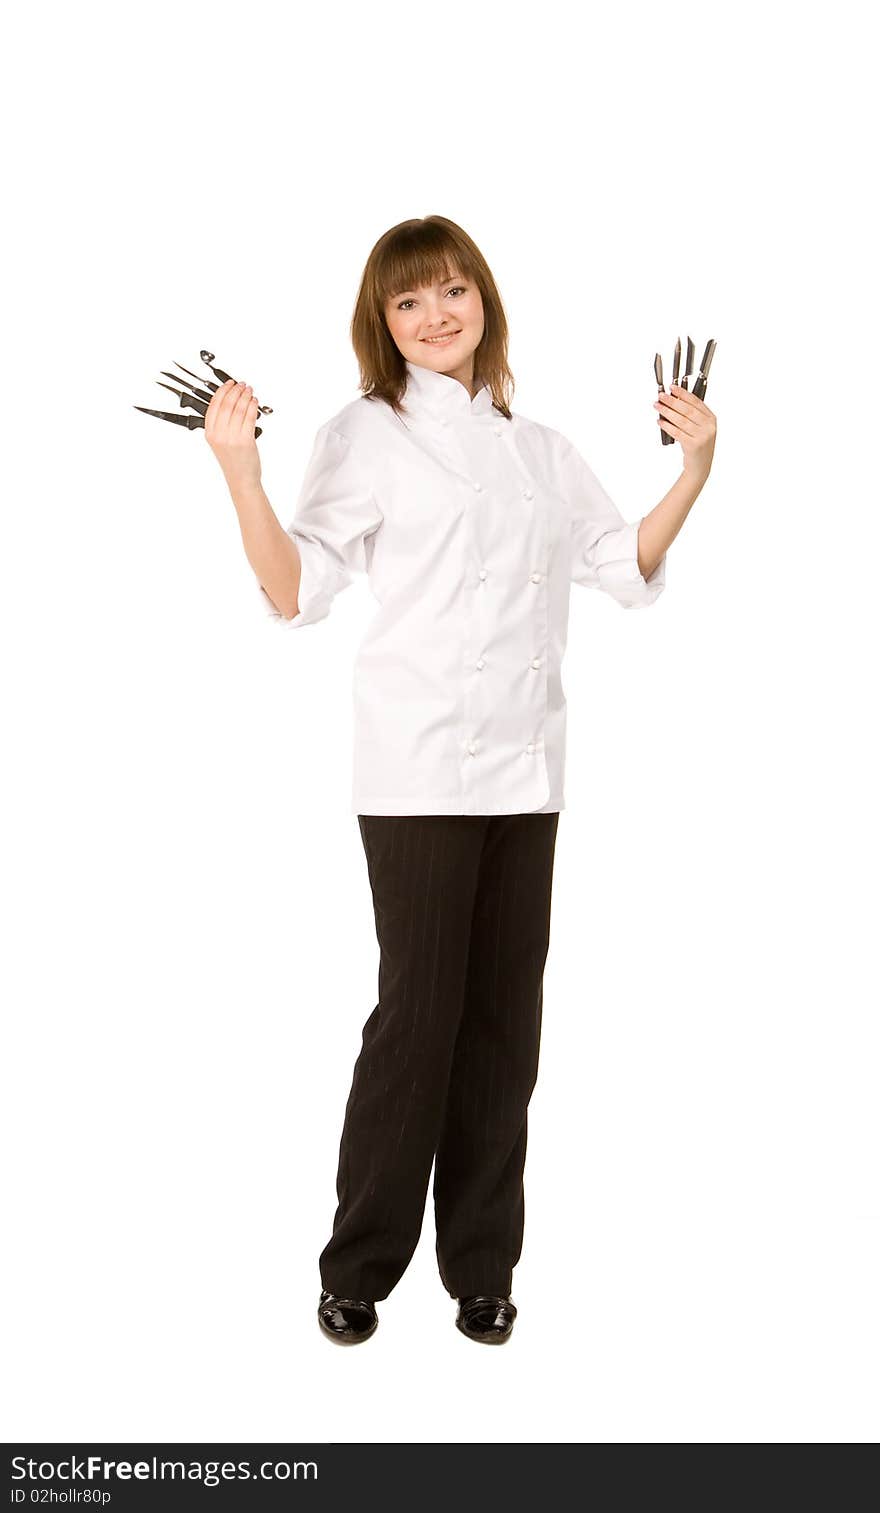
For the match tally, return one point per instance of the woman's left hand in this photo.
(692, 423)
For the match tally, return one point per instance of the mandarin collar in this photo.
(430, 393)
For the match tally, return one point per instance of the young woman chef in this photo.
(472, 522)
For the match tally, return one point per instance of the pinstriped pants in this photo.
(449, 1057)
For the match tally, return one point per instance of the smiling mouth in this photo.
(439, 341)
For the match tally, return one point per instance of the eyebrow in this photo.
(458, 278)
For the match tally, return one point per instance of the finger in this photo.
(230, 407)
(683, 421)
(249, 418)
(243, 406)
(212, 414)
(225, 397)
(676, 429)
(689, 400)
(678, 401)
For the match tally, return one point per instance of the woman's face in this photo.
(452, 308)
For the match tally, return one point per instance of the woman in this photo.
(472, 522)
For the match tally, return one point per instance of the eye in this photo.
(459, 289)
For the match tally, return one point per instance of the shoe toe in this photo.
(486, 1318)
(347, 1320)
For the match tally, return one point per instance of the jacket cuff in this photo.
(313, 599)
(615, 558)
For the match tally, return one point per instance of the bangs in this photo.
(420, 261)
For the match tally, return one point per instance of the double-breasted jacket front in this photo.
(471, 529)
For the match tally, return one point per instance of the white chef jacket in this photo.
(471, 529)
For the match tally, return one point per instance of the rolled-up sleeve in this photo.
(604, 546)
(335, 516)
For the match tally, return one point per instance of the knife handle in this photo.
(665, 437)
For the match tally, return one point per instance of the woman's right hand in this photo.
(230, 422)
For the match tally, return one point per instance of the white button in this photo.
(528, 494)
(472, 746)
(536, 661)
(477, 486)
(499, 430)
(481, 664)
(536, 577)
(483, 573)
(530, 749)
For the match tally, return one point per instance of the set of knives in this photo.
(196, 396)
(700, 381)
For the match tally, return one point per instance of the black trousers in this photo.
(449, 1057)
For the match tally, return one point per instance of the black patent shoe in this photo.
(486, 1318)
(346, 1320)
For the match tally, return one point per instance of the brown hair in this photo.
(413, 253)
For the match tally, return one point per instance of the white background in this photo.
(190, 948)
